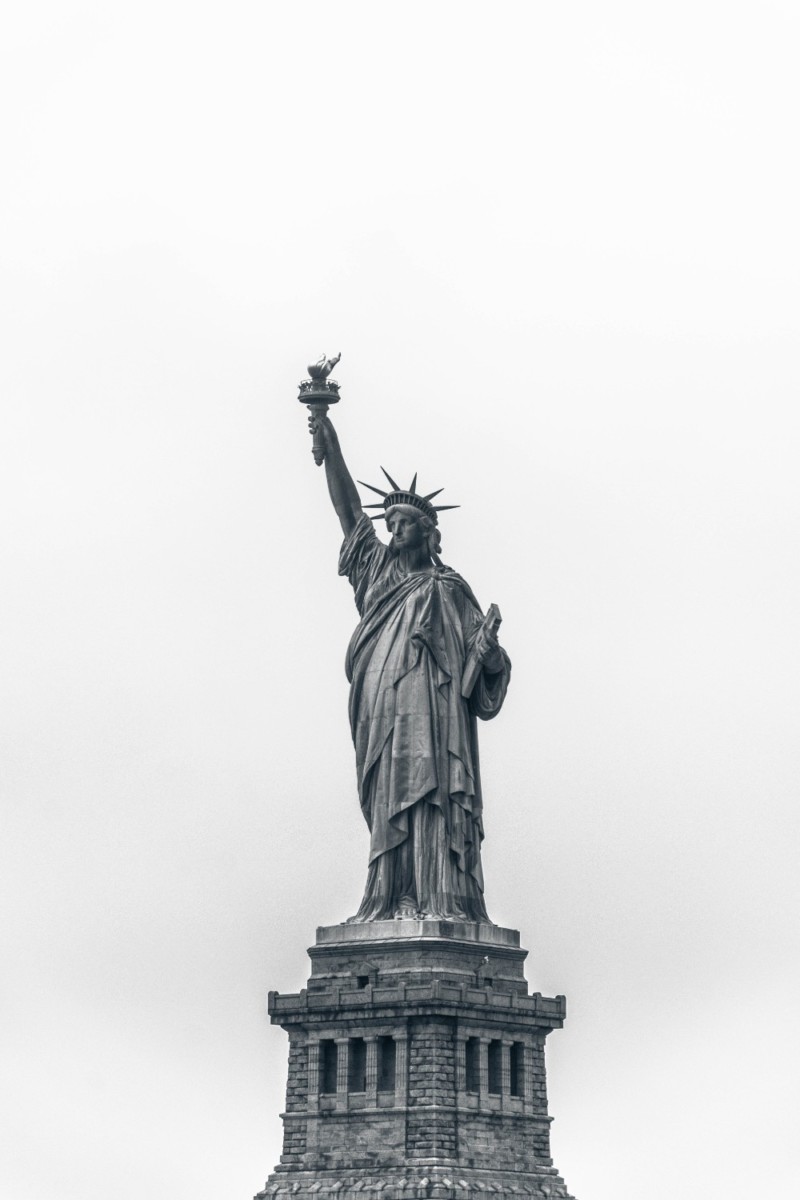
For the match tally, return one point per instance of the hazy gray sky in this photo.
(557, 245)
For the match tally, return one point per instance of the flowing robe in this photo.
(415, 735)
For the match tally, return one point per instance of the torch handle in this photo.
(318, 445)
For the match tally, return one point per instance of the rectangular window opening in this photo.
(357, 1066)
(328, 1065)
(495, 1067)
(387, 1064)
(473, 1061)
(518, 1069)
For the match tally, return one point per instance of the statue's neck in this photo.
(413, 560)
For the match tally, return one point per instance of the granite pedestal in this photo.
(416, 1067)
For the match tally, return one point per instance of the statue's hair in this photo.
(433, 535)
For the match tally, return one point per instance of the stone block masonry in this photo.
(416, 1067)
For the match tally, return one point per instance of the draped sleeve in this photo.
(490, 687)
(490, 690)
(363, 559)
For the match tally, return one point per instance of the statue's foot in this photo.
(407, 910)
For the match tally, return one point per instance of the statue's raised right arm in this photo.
(344, 495)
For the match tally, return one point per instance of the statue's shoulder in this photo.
(363, 555)
(363, 536)
(449, 576)
(451, 579)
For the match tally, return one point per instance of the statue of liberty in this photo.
(423, 664)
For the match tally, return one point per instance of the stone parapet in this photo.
(547, 1011)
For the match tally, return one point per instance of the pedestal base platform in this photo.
(419, 1183)
(416, 1067)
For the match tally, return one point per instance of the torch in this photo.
(318, 392)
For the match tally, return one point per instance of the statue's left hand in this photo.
(488, 651)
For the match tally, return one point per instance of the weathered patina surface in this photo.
(414, 728)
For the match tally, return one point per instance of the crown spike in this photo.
(407, 496)
(373, 489)
(396, 486)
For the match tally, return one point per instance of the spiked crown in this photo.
(408, 496)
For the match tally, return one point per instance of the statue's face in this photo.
(407, 533)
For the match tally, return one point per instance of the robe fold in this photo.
(415, 735)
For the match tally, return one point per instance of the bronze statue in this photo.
(423, 664)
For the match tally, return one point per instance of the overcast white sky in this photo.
(557, 245)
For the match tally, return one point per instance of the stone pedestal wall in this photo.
(416, 1067)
